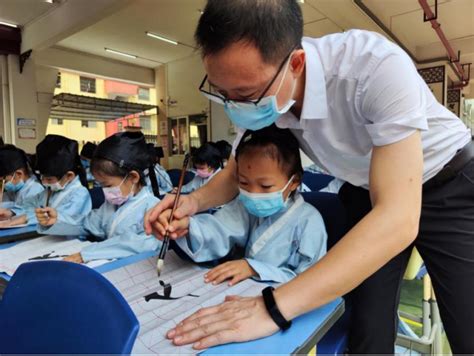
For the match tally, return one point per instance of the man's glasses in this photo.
(222, 100)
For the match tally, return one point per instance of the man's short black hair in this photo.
(275, 27)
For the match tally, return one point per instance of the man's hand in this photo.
(157, 224)
(76, 258)
(236, 320)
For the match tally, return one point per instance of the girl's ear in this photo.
(20, 174)
(134, 176)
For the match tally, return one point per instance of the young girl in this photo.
(119, 164)
(61, 173)
(18, 181)
(207, 161)
(279, 233)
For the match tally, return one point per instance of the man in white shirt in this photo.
(361, 112)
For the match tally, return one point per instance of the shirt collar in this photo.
(315, 100)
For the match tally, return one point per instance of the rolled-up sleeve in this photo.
(393, 100)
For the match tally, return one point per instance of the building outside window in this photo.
(87, 85)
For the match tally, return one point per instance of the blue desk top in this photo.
(5, 233)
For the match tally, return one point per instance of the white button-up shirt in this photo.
(363, 91)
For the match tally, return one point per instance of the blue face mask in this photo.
(85, 163)
(257, 116)
(12, 187)
(264, 204)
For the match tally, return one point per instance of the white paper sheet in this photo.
(11, 258)
(156, 317)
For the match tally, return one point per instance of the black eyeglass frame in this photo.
(255, 102)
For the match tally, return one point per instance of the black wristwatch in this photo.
(272, 309)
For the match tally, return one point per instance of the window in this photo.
(87, 85)
(58, 80)
(145, 123)
(144, 94)
(120, 126)
(89, 124)
(56, 121)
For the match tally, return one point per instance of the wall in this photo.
(222, 128)
(183, 78)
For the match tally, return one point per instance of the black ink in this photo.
(166, 293)
(46, 257)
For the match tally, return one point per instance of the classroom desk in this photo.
(306, 331)
(18, 233)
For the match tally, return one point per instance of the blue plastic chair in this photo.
(58, 307)
(334, 216)
(97, 197)
(174, 176)
(316, 181)
(332, 211)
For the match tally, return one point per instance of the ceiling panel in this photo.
(125, 31)
(21, 12)
(321, 28)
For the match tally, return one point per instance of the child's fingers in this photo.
(236, 279)
(213, 273)
(226, 274)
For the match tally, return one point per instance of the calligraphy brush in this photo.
(166, 240)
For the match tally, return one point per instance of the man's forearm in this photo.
(366, 248)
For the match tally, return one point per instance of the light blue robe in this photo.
(277, 247)
(164, 181)
(197, 182)
(72, 203)
(120, 229)
(30, 189)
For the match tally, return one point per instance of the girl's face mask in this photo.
(114, 194)
(14, 187)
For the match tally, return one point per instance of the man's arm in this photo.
(221, 189)
(392, 225)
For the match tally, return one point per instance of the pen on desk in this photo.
(166, 240)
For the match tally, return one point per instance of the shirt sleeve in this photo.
(235, 144)
(213, 236)
(392, 99)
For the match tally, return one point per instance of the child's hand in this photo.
(46, 216)
(5, 214)
(236, 271)
(76, 258)
(182, 224)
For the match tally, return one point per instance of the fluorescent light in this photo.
(8, 24)
(120, 53)
(158, 37)
(49, 1)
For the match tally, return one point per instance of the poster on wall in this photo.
(25, 122)
(434, 77)
(27, 133)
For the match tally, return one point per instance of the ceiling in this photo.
(125, 30)
(23, 12)
(405, 19)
